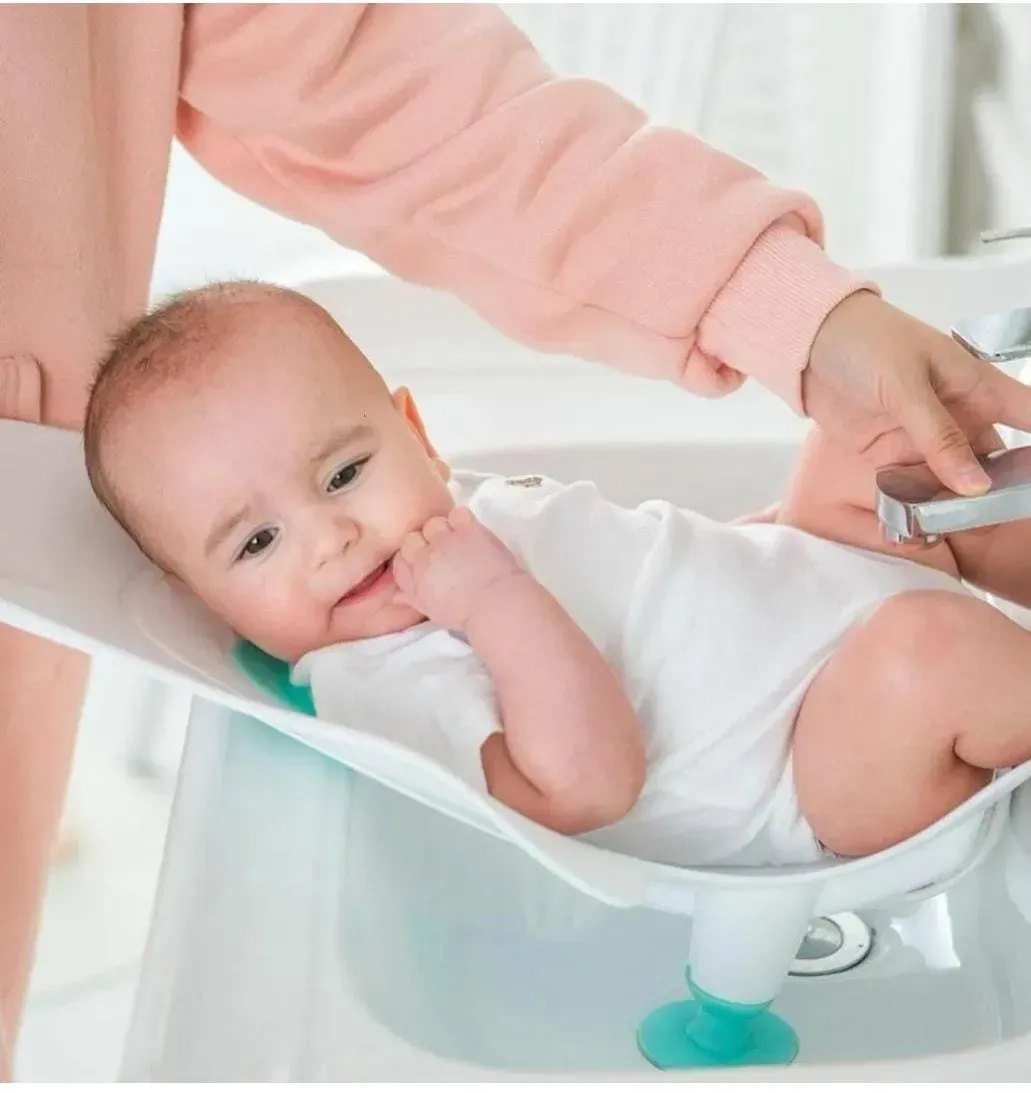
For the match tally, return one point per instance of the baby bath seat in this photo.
(69, 573)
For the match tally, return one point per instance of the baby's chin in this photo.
(390, 619)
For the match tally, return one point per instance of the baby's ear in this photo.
(409, 411)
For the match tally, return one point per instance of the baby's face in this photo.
(279, 488)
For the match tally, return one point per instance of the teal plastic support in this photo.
(272, 676)
(707, 1032)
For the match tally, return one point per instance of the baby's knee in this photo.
(915, 643)
(875, 757)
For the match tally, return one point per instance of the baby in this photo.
(657, 682)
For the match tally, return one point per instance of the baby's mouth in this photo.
(369, 583)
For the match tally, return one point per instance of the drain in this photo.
(833, 944)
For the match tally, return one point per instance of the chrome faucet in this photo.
(912, 504)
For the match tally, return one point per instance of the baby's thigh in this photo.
(873, 746)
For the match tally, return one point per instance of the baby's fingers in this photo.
(404, 594)
(461, 517)
(413, 544)
(435, 528)
(402, 572)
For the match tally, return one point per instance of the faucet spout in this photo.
(912, 504)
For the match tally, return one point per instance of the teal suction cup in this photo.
(272, 676)
(708, 1032)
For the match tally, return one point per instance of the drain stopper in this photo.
(833, 944)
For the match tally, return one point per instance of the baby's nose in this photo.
(331, 538)
(330, 544)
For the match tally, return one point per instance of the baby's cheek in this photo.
(429, 494)
(286, 636)
(255, 614)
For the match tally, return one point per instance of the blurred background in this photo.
(909, 123)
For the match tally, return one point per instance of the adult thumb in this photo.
(943, 444)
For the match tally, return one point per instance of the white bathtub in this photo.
(312, 925)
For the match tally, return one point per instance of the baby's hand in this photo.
(445, 570)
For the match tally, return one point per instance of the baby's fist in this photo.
(445, 570)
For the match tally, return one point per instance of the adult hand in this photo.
(898, 391)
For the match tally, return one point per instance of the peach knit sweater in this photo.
(430, 137)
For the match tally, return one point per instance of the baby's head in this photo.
(253, 453)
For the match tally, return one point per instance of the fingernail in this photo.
(975, 478)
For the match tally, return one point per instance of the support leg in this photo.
(742, 945)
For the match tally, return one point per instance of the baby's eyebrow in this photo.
(224, 528)
(351, 434)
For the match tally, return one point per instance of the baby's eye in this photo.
(345, 476)
(257, 543)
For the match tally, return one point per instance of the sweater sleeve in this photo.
(434, 139)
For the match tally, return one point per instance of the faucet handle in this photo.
(999, 337)
(1003, 335)
(1003, 235)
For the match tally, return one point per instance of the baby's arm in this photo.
(997, 560)
(571, 754)
(832, 494)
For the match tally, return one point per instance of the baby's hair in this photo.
(166, 344)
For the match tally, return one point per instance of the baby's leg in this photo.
(909, 718)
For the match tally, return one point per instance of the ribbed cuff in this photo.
(765, 319)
